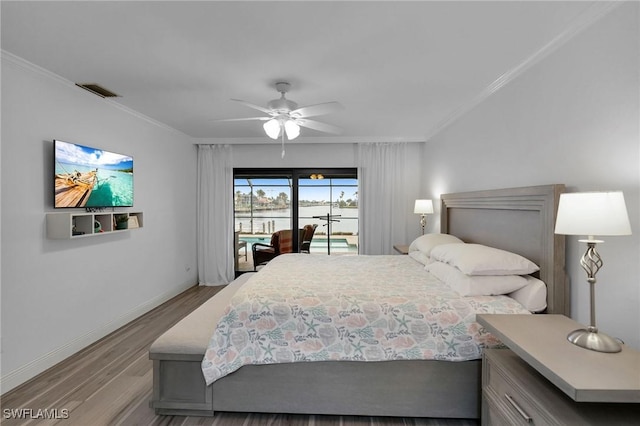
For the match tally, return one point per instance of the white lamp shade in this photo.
(272, 128)
(292, 129)
(592, 213)
(423, 207)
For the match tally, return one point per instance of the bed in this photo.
(519, 220)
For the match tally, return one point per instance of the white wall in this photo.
(574, 119)
(297, 154)
(59, 296)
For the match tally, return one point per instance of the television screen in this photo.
(91, 177)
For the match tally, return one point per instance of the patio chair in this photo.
(239, 244)
(307, 236)
(281, 242)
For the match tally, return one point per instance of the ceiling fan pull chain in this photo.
(282, 144)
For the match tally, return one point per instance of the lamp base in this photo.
(591, 339)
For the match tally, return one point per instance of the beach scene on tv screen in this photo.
(91, 177)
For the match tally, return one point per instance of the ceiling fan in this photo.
(284, 117)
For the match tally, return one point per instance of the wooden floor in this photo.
(110, 382)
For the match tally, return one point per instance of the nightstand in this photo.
(401, 248)
(544, 379)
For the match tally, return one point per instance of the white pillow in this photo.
(477, 259)
(469, 285)
(426, 243)
(419, 256)
(532, 296)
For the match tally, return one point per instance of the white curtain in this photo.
(215, 215)
(382, 183)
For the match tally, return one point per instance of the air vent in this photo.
(97, 90)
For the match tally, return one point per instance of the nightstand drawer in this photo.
(510, 398)
(514, 393)
(496, 413)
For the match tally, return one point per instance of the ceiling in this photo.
(400, 69)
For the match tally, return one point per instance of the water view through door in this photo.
(268, 203)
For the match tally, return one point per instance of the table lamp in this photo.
(423, 208)
(592, 214)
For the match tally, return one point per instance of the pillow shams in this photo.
(532, 296)
(426, 243)
(468, 285)
(477, 259)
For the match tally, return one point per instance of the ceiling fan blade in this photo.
(250, 105)
(317, 109)
(244, 119)
(316, 125)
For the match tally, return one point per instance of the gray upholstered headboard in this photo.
(520, 220)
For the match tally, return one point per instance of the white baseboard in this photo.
(39, 365)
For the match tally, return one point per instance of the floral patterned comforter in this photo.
(304, 307)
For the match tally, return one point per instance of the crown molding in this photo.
(36, 69)
(306, 140)
(591, 15)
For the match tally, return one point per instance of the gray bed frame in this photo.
(520, 220)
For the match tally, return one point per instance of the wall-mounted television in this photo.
(91, 177)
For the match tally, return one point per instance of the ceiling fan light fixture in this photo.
(272, 128)
(292, 129)
(285, 118)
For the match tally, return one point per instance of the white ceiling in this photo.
(400, 69)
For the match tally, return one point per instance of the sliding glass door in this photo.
(262, 204)
(270, 200)
(332, 204)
